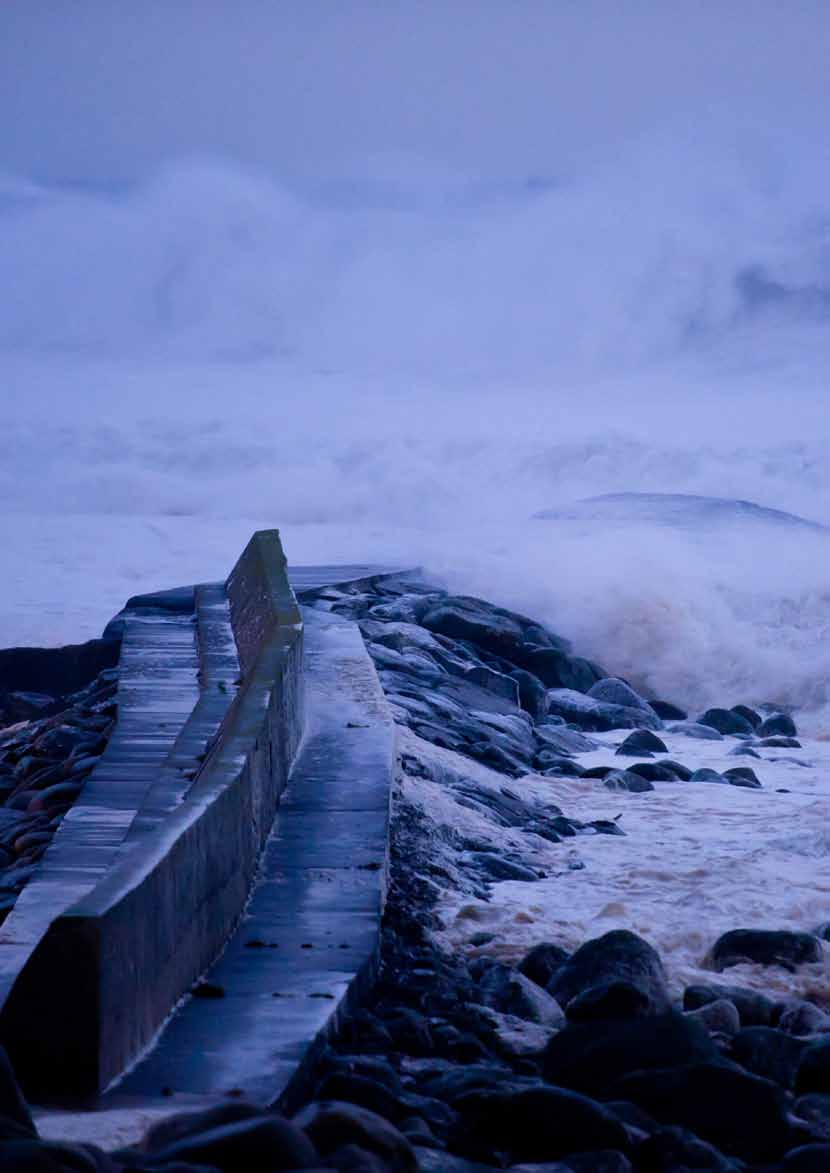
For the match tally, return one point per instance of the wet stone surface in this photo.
(44, 763)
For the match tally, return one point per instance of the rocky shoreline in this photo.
(44, 762)
(564, 1059)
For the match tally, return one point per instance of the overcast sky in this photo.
(103, 91)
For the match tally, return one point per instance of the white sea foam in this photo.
(697, 860)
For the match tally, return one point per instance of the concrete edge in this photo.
(128, 950)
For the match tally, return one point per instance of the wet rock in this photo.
(634, 783)
(533, 695)
(557, 669)
(364, 1091)
(700, 732)
(451, 1082)
(719, 1017)
(780, 743)
(764, 947)
(330, 1125)
(797, 1017)
(809, 1158)
(500, 632)
(564, 741)
(495, 866)
(682, 772)
(707, 775)
(510, 992)
(748, 714)
(542, 962)
(641, 741)
(653, 771)
(676, 1150)
(618, 975)
(539, 1124)
(553, 766)
(591, 1056)
(515, 1038)
(430, 1161)
(743, 776)
(373, 1066)
(614, 691)
(13, 1107)
(597, 716)
(667, 711)
(768, 1052)
(743, 751)
(740, 1114)
(754, 1008)
(778, 725)
(813, 1074)
(726, 721)
(814, 1108)
(260, 1144)
(174, 1128)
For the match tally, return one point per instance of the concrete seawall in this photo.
(109, 968)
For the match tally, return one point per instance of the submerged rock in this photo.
(764, 947)
(726, 721)
(778, 725)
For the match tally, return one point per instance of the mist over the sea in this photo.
(397, 321)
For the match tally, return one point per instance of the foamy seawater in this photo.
(697, 860)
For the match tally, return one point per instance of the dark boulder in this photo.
(676, 1150)
(814, 1109)
(364, 1091)
(706, 775)
(13, 1107)
(743, 776)
(543, 962)
(798, 1017)
(682, 772)
(540, 1123)
(755, 1009)
(557, 669)
(641, 741)
(597, 716)
(748, 714)
(626, 780)
(738, 1113)
(173, 1128)
(330, 1125)
(614, 691)
(591, 1056)
(768, 1052)
(726, 721)
(699, 732)
(778, 725)
(502, 633)
(510, 992)
(813, 1074)
(719, 1017)
(653, 771)
(261, 1144)
(808, 1158)
(764, 947)
(613, 976)
(667, 711)
(533, 696)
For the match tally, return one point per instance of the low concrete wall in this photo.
(111, 967)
